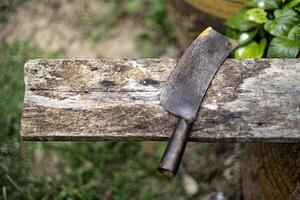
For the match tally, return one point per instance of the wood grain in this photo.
(272, 171)
(248, 100)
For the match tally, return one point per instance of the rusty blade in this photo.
(189, 80)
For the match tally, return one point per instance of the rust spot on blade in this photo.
(205, 32)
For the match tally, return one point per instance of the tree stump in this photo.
(272, 171)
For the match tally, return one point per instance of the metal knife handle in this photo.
(170, 161)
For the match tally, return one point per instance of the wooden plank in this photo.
(248, 100)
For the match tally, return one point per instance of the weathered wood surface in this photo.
(248, 100)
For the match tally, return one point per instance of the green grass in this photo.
(12, 58)
(86, 170)
(153, 14)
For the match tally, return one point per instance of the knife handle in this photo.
(170, 161)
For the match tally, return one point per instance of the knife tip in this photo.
(205, 32)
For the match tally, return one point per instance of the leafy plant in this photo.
(266, 28)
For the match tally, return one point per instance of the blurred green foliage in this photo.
(11, 84)
(151, 13)
(266, 28)
(161, 32)
(12, 59)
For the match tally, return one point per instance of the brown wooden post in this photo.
(270, 170)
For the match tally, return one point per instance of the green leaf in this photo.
(242, 37)
(238, 22)
(257, 15)
(252, 50)
(265, 4)
(285, 20)
(283, 48)
(297, 8)
(292, 4)
(294, 33)
(285, 12)
(234, 34)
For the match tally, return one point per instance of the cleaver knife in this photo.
(185, 88)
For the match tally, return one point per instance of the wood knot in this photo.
(107, 83)
(149, 81)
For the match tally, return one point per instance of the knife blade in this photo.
(186, 86)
